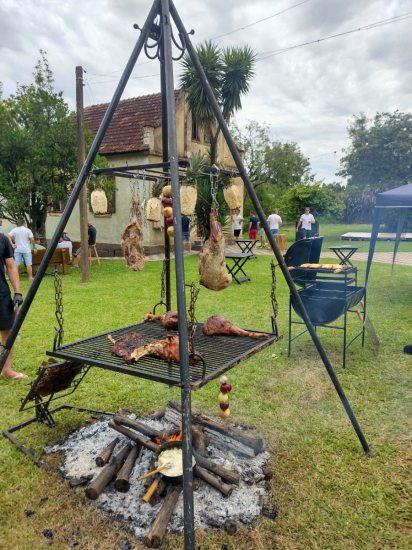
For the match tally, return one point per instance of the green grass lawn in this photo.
(332, 232)
(328, 493)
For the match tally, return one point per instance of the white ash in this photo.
(211, 509)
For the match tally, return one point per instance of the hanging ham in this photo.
(132, 239)
(212, 268)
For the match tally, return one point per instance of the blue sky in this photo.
(307, 94)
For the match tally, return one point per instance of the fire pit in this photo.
(230, 475)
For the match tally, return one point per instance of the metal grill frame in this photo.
(220, 353)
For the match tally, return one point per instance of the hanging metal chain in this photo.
(275, 305)
(214, 185)
(58, 297)
(162, 301)
(191, 327)
(163, 283)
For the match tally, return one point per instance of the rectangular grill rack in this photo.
(220, 353)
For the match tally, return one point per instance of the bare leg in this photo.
(7, 371)
(29, 270)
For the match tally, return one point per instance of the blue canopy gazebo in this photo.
(400, 199)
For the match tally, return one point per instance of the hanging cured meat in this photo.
(212, 268)
(132, 239)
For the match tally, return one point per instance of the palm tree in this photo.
(229, 72)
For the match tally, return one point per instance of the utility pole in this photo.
(81, 153)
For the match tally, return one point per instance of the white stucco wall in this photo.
(110, 228)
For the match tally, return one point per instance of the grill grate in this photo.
(220, 353)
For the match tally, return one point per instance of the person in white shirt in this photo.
(22, 241)
(274, 221)
(237, 223)
(306, 221)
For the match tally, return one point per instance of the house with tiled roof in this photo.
(134, 136)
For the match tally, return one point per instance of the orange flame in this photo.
(166, 438)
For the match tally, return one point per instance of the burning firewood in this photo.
(107, 452)
(98, 485)
(217, 325)
(158, 528)
(122, 482)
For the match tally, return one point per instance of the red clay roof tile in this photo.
(125, 132)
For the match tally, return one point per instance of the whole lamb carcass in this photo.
(132, 239)
(217, 325)
(212, 267)
(132, 347)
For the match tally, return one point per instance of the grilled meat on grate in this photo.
(132, 347)
(169, 319)
(217, 325)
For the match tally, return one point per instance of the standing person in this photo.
(253, 226)
(262, 235)
(306, 221)
(186, 233)
(22, 240)
(237, 223)
(92, 233)
(274, 221)
(7, 305)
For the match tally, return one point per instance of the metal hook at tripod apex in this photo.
(214, 169)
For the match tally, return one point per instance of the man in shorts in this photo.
(237, 223)
(274, 221)
(23, 241)
(306, 221)
(7, 305)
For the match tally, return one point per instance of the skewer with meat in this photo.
(132, 347)
(217, 325)
(169, 319)
(212, 267)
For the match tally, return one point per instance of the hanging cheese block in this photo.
(188, 198)
(153, 210)
(233, 196)
(98, 201)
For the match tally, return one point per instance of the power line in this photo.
(396, 19)
(259, 20)
(131, 78)
(220, 35)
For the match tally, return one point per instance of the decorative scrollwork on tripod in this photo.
(275, 305)
(194, 291)
(58, 296)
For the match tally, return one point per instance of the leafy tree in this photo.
(38, 159)
(321, 198)
(380, 155)
(273, 166)
(229, 72)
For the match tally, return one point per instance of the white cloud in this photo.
(307, 95)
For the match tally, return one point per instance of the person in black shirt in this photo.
(7, 305)
(92, 234)
(91, 242)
